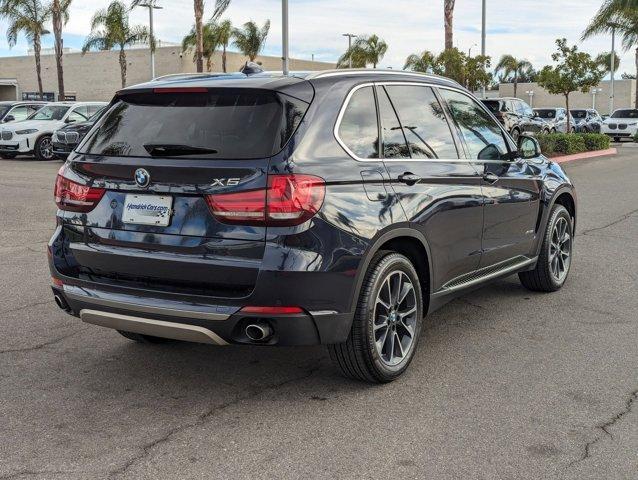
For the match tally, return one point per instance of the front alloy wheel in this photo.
(44, 148)
(560, 250)
(387, 323)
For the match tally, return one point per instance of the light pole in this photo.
(350, 37)
(531, 97)
(284, 29)
(483, 15)
(612, 67)
(151, 6)
(594, 91)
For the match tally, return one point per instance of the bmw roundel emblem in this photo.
(142, 177)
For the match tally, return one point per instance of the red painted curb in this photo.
(584, 155)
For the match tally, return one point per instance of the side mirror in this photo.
(9, 118)
(528, 147)
(69, 120)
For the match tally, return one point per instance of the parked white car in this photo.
(622, 123)
(33, 135)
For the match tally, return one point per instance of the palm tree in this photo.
(448, 18)
(198, 6)
(251, 39)
(224, 31)
(110, 29)
(210, 42)
(423, 62)
(604, 60)
(365, 50)
(28, 17)
(615, 16)
(60, 17)
(512, 66)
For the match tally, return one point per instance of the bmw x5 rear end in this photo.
(182, 216)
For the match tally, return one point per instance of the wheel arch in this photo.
(408, 242)
(565, 196)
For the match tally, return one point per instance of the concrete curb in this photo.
(584, 155)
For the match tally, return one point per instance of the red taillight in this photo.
(288, 200)
(74, 197)
(272, 310)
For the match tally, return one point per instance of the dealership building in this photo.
(96, 75)
(598, 98)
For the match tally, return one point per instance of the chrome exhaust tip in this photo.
(61, 302)
(259, 332)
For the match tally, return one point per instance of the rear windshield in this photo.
(546, 113)
(493, 105)
(579, 113)
(220, 123)
(629, 113)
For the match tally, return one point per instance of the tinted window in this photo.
(424, 122)
(50, 112)
(220, 123)
(359, 128)
(546, 113)
(394, 144)
(629, 113)
(493, 105)
(3, 110)
(20, 113)
(580, 114)
(482, 134)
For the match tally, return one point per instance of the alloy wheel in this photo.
(395, 318)
(46, 148)
(560, 250)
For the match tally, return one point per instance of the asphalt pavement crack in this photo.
(42, 345)
(605, 426)
(202, 419)
(23, 307)
(620, 219)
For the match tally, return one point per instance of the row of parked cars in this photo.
(519, 118)
(46, 130)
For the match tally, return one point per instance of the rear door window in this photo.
(483, 136)
(359, 128)
(424, 123)
(394, 142)
(230, 123)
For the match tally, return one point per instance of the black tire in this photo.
(8, 156)
(553, 130)
(541, 279)
(515, 134)
(43, 149)
(358, 358)
(139, 338)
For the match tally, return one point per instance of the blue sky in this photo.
(525, 28)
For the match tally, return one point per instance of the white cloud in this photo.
(525, 28)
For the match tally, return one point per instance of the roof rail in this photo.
(373, 71)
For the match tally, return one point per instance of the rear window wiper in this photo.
(160, 149)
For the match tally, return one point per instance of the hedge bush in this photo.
(553, 144)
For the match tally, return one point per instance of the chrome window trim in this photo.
(434, 86)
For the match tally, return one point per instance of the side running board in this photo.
(487, 273)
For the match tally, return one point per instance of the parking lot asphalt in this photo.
(507, 384)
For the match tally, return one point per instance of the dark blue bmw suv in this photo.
(334, 208)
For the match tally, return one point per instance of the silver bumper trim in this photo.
(155, 328)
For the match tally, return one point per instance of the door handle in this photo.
(409, 178)
(490, 178)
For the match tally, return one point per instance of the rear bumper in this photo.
(202, 323)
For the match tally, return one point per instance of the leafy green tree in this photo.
(110, 28)
(615, 15)
(509, 65)
(224, 32)
(210, 42)
(422, 62)
(60, 17)
(574, 71)
(251, 39)
(451, 64)
(365, 50)
(477, 72)
(28, 17)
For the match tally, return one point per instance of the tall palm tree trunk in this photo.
(199, 42)
(224, 58)
(448, 18)
(123, 66)
(59, 45)
(37, 48)
(515, 83)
